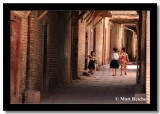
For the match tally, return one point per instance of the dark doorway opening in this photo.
(86, 50)
(130, 44)
(94, 40)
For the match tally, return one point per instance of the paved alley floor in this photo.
(100, 88)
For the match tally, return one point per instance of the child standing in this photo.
(91, 65)
(114, 61)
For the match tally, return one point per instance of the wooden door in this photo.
(15, 27)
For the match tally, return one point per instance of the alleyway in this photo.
(101, 88)
(50, 50)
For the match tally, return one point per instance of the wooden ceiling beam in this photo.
(90, 16)
(116, 17)
(27, 13)
(130, 24)
(106, 14)
(124, 21)
(87, 15)
(80, 16)
(42, 15)
(129, 29)
(19, 13)
(95, 17)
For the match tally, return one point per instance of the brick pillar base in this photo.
(32, 97)
(139, 88)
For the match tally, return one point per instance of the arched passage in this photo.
(55, 56)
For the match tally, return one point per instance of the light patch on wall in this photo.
(132, 66)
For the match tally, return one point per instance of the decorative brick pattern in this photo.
(99, 42)
(34, 81)
(40, 53)
(53, 50)
(24, 39)
(148, 58)
(81, 47)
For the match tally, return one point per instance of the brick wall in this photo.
(143, 49)
(74, 45)
(67, 48)
(58, 51)
(64, 37)
(81, 46)
(148, 58)
(34, 80)
(98, 24)
(99, 42)
(40, 53)
(107, 40)
(23, 54)
(116, 36)
(53, 52)
(58, 48)
(24, 39)
(89, 39)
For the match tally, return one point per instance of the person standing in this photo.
(124, 60)
(114, 61)
(91, 65)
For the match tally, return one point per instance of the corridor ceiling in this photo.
(131, 26)
(120, 17)
(128, 18)
(124, 12)
(123, 17)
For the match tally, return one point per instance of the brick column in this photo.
(99, 42)
(24, 40)
(33, 77)
(81, 47)
(40, 53)
(143, 49)
(74, 45)
(148, 58)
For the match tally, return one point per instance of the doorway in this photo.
(94, 40)
(86, 50)
(130, 40)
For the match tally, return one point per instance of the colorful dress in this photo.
(91, 64)
(124, 60)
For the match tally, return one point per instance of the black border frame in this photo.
(80, 6)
